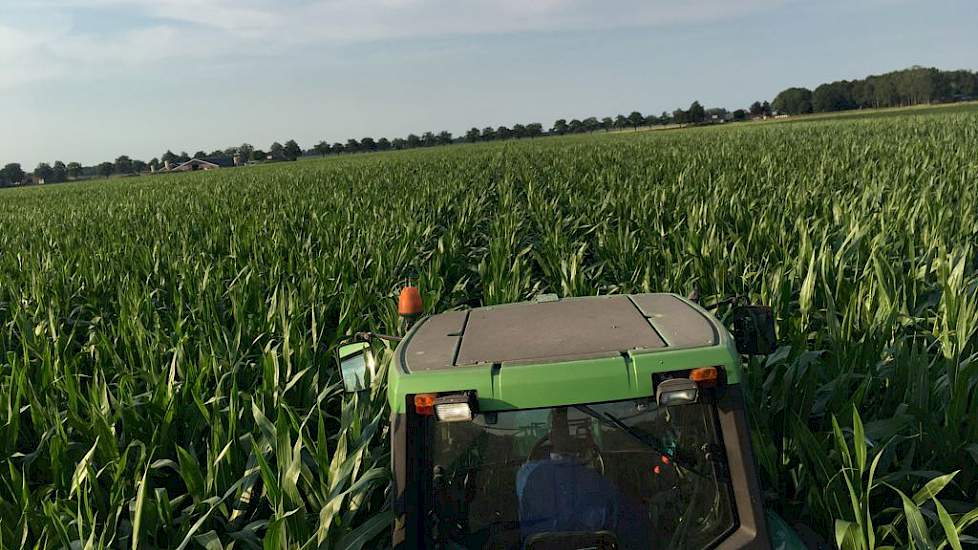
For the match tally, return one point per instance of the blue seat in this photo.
(562, 495)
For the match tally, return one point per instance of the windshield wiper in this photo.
(648, 440)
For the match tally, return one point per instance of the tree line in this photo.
(290, 150)
(913, 86)
(58, 172)
(695, 114)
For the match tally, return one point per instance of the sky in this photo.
(89, 80)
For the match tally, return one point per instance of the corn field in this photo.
(166, 368)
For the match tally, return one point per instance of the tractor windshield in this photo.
(627, 474)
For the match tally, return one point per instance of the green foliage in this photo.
(911, 86)
(123, 165)
(166, 376)
(793, 101)
(12, 173)
(105, 169)
(864, 528)
(292, 150)
(73, 169)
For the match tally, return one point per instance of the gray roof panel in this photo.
(553, 330)
(676, 321)
(561, 330)
(434, 344)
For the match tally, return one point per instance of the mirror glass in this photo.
(355, 362)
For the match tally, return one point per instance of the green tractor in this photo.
(609, 422)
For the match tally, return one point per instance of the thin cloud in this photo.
(154, 31)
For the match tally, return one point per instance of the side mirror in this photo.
(753, 330)
(355, 361)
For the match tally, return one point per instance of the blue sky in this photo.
(88, 80)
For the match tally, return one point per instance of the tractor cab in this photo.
(610, 422)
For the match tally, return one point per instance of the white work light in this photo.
(456, 407)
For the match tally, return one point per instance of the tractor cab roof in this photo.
(551, 330)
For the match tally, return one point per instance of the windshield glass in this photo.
(626, 474)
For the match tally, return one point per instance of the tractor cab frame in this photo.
(600, 422)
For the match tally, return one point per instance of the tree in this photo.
(276, 151)
(368, 144)
(488, 134)
(607, 123)
(756, 109)
(680, 116)
(399, 143)
(635, 119)
(60, 172)
(766, 108)
(123, 165)
(322, 148)
(292, 150)
(519, 131)
(503, 133)
(352, 146)
(43, 172)
(696, 112)
(13, 173)
(575, 126)
(217, 153)
(793, 101)
(337, 148)
(958, 85)
(412, 141)
(74, 170)
(740, 114)
(428, 139)
(258, 155)
(444, 138)
(591, 124)
(200, 155)
(472, 135)
(184, 157)
(836, 96)
(383, 144)
(169, 156)
(559, 127)
(245, 150)
(138, 166)
(534, 129)
(621, 122)
(105, 169)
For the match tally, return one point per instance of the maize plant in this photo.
(167, 377)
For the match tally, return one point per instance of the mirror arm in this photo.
(367, 336)
(732, 301)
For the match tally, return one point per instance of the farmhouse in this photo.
(199, 164)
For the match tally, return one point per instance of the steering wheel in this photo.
(591, 455)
